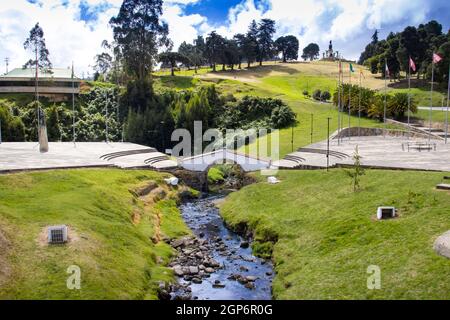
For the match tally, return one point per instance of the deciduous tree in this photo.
(288, 46)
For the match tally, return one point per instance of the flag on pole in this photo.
(388, 73)
(412, 65)
(351, 68)
(362, 74)
(436, 58)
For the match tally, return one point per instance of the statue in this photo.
(42, 131)
(330, 54)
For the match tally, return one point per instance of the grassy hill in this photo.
(111, 232)
(287, 81)
(326, 236)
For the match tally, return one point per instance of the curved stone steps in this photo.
(154, 160)
(335, 154)
(115, 155)
(296, 159)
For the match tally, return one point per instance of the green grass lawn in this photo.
(288, 88)
(422, 95)
(327, 235)
(438, 115)
(117, 258)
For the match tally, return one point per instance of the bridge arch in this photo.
(194, 170)
(203, 162)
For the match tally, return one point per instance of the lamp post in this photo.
(292, 133)
(292, 138)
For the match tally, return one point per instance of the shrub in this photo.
(282, 117)
(398, 105)
(12, 127)
(316, 95)
(325, 96)
(255, 112)
(376, 109)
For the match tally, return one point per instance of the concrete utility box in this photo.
(57, 234)
(384, 213)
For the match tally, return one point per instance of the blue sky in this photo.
(214, 10)
(74, 29)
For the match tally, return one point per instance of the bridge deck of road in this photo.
(376, 151)
(19, 156)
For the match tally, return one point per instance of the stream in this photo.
(217, 264)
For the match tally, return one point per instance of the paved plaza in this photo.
(376, 151)
(16, 156)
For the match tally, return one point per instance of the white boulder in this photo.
(172, 181)
(273, 180)
(442, 245)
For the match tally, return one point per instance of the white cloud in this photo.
(348, 22)
(67, 37)
(70, 39)
(181, 27)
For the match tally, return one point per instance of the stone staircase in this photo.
(436, 132)
(309, 159)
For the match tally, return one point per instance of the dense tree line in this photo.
(419, 43)
(131, 107)
(150, 116)
(257, 45)
(19, 121)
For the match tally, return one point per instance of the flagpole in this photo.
(385, 95)
(349, 99)
(339, 102)
(409, 97)
(73, 105)
(431, 99)
(446, 114)
(106, 112)
(359, 104)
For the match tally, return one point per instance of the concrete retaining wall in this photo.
(367, 132)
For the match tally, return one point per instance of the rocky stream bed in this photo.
(216, 263)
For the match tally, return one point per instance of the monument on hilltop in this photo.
(330, 54)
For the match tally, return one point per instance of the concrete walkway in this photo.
(17, 156)
(377, 152)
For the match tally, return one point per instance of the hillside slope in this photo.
(326, 236)
(115, 236)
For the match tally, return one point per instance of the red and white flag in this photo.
(412, 65)
(436, 58)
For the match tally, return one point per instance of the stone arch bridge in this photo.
(194, 170)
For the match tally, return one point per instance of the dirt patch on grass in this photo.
(5, 269)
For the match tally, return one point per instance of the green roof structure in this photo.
(59, 74)
(52, 83)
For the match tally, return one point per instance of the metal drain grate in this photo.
(57, 235)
